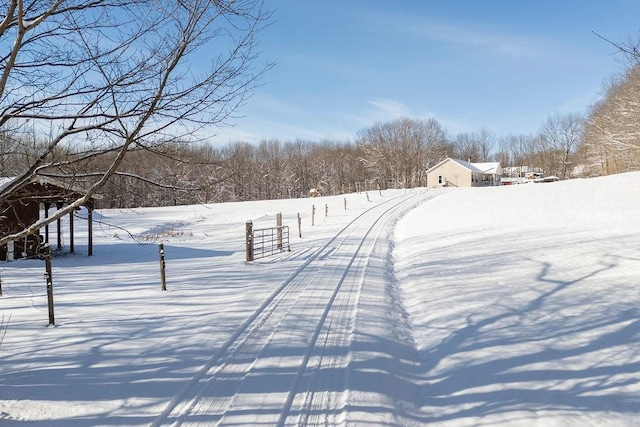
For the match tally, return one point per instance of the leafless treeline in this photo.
(396, 154)
(388, 154)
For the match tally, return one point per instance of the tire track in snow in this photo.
(322, 398)
(215, 394)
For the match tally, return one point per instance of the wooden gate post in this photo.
(249, 240)
(279, 231)
(163, 277)
(49, 279)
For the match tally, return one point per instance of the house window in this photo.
(439, 179)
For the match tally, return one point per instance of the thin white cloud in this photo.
(508, 44)
(380, 110)
(580, 103)
(461, 33)
(266, 103)
(253, 131)
(383, 110)
(389, 107)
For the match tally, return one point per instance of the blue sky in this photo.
(342, 66)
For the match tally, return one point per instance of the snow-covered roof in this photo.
(484, 168)
(5, 181)
(488, 167)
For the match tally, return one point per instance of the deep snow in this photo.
(509, 305)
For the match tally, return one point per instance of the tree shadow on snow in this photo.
(553, 346)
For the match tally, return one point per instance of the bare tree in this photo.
(486, 142)
(476, 146)
(562, 135)
(114, 76)
(465, 147)
(400, 151)
(630, 48)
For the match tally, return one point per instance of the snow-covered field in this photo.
(514, 305)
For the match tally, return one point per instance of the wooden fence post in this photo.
(249, 240)
(49, 279)
(313, 214)
(163, 279)
(326, 210)
(279, 230)
(345, 203)
(299, 226)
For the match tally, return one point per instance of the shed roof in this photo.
(46, 181)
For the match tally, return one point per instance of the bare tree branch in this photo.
(117, 75)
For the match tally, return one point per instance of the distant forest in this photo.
(393, 154)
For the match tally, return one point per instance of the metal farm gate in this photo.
(262, 242)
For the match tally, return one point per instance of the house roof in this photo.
(484, 168)
(490, 167)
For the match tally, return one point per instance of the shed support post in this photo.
(90, 230)
(59, 227)
(47, 205)
(71, 242)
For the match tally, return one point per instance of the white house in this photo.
(459, 173)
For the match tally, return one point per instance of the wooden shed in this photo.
(31, 202)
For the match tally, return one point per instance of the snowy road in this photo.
(302, 357)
